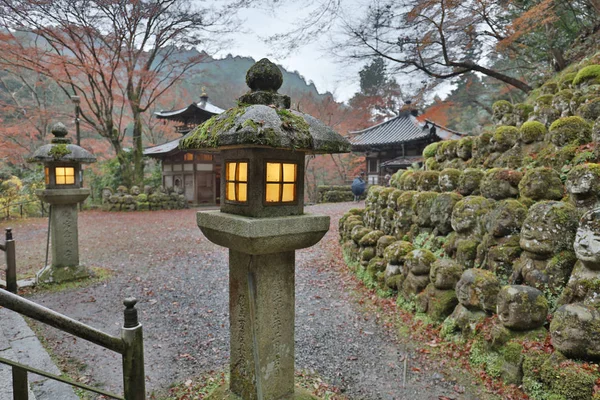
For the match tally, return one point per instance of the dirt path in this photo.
(181, 281)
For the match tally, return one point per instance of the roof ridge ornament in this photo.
(264, 79)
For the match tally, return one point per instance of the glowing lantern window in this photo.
(188, 157)
(65, 175)
(236, 181)
(47, 175)
(281, 183)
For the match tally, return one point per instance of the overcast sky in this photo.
(310, 61)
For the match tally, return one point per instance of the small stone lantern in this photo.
(262, 222)
(62, 170)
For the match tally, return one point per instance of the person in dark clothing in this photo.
(358, 186)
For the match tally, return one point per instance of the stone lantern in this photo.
(62, 170)
(262, 222)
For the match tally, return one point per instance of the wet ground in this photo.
(180, 279)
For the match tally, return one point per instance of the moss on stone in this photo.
(58, 151)
(590, 110)
(505, 137)
(448, 179)
(566, 80)
(544, 100)
(396, 252)
(502, 104)
(430, 150)
(549, 87)
(532, 131)
(523, 110)
(541, 184)
(428, 181)
(469, 181)
(371, 238)
(499, 183)
(431, 164)
(589, 73)
(568, 129)
(408, 180)
(464, 148)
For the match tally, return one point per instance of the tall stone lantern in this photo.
(62, 170)
(262, 222)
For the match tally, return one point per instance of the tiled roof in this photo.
(401, 129)
(192, 108)
(163, 148)
(402, 161)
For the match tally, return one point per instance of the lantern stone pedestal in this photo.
(262, 298)
(64, 235)
(63, 171)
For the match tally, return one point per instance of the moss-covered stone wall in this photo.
(486, 233)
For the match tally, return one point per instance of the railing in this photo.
(129, 345)
(11, 262)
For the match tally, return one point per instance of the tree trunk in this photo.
(138, 162)
(124, 163)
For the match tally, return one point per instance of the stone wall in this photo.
(134, 199)
(499, 235)
(334, 193)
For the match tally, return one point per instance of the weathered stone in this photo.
(422, 208)
(587, 240)
(441, 211)
(414, 284)
(445, 273)
(428, 181)
(583, 287)
(370, 239)
(478, 289)
(521, 307)
(467, 216)
(397, 252)
(419, 261)
(448, 179)
(532, 131)
(469, 181)
(501, 110)
(466, 320)
(574, 330)
(464, 148)
(504, 138)
(408, 180)
(438, 304)
(549, 228)
(481, 146)
(358, 232)
(382, 243)
(376, 266)
(583, 185)
(500, 183)
(568, 129)
(542, 184)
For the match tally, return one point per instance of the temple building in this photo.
(195, 173)
(397, 143)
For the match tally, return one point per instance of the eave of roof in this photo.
(163, 149)
(404, 128)
(193, 108)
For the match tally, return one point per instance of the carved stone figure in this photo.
(574, 330)
(547, 239)
(584, 283)
(499, 247)
(521, 307)
(583, 186)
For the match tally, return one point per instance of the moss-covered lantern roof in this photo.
(60, 149)
(263, 119)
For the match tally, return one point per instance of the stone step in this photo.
(21, 345)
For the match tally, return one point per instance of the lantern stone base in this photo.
(53, 274)
(262, 297)
(262, 235)
(64, 235)
(223, 393)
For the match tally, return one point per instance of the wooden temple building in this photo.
(197, 174)
(397, 143)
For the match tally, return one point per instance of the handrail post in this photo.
(134, 383)
(20, 384)
(11, 262)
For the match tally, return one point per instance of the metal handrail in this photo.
(59, 378)
(130, 345)
(59, 321)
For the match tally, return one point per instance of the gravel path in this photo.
(181, 278)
